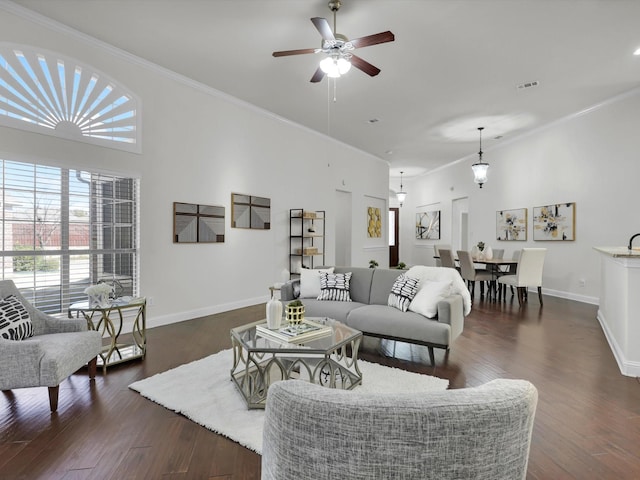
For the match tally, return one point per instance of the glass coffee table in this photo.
(258, 361)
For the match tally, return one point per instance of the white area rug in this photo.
(203, 392)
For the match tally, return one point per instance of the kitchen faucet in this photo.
(631, 240)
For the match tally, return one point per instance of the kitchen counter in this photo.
(620, 252)
(619, 307)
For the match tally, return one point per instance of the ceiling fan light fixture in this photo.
(335, 66)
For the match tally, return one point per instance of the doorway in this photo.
(394, 237)
(460, 224)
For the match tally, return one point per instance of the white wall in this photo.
(199, 146)
(590, 159)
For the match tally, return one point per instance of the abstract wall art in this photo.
(555, 222)
(248, 211)
(428, 225)
(193, 223)
(511, 224)
(374, 222)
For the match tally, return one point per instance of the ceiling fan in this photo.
(338, 49)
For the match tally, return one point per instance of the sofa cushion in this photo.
(429, 294)
(402, 292)
(323, 308)
(360, 283)
(335, 286)
(381, 284)
(310, 281)
(15, 322)
(391, 322)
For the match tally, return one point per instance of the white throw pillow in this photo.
(426, 300)
(310, 281)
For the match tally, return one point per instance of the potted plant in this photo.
(402, 266)
(373, 264)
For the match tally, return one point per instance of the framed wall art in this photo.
(374, 222)
(511, 224)
(428, 225)
(193, 223)
(555, 222)
(248, 211)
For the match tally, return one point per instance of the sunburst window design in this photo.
(48, 93)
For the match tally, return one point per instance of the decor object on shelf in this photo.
(294, 312)
(428, 225)
(401, 195)
(338, 48)
(555, 222)
(480, 168)
(274, 312)
(306, 239)
(194, 223)
(511, 224)
(99, 294)
(374, 222)
(248, 211)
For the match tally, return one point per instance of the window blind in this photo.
(65, 229)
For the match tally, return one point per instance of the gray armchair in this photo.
(482, 433)
(57, 349)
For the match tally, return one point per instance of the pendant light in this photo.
(401, 195)
(480, 168)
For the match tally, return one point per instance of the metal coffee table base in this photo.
(254, 371)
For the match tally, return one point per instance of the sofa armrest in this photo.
(451, 311)
(61, 325)
(290, 290)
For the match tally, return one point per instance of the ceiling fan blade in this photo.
(318, 76)
(365, 66)
(323, 27)
(375, 39)
(285, 53)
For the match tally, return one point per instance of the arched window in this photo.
(49, 93)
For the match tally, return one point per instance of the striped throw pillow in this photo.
(335, 286)
(402, 292)
(15, 322)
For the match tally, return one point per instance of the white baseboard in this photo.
(627, 368)
(153, 321)
(569, 296)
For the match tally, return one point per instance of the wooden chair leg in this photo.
(520, 297)
(53, 397)
(93, 365)
(540, 294)
(432, 356)
(481, 289)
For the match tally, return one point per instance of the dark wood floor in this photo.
(587, 423)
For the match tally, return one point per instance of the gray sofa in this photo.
(369, 313)
(316, 433)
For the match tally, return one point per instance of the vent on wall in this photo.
(528, 85)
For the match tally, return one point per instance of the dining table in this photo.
(493, 266)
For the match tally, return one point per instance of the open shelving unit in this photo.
(306, 239)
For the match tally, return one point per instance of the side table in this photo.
(110, 321)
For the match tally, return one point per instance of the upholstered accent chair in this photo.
(481, 433)
(58, 348)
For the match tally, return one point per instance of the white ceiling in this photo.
(454, 65)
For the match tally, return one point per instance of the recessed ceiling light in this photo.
(637, 52)
(373, 120)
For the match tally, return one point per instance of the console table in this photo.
(109, 320)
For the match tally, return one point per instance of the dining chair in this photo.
(510, 270)
(436, 250)
(528, 274)
(446, 259)
(470, 274)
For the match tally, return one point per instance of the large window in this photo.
(63, 230)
